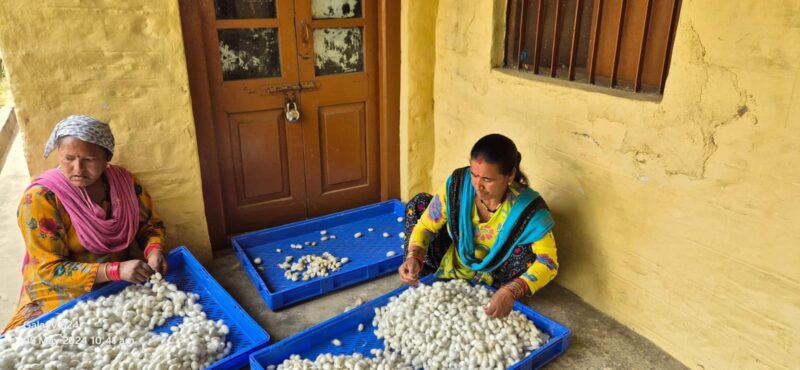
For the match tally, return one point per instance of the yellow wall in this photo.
(679, 218)
(417, 64)
(121, 61)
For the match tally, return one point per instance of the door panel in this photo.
(250, 46)
(341, 127)
(247, 53)
(262, 145)
(342, 139)
(243, 9)
(335, 9)
(338, 50)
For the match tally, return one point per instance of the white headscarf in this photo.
(86, 128)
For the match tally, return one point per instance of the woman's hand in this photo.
(409, 271)
(501, 303)
(157, 261)
(135, 271)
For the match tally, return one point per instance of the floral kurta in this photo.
(59, 268)
(539, 272)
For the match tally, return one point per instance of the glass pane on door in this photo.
(249, 53)
(338, 50)
(244, 9)
(335, 9)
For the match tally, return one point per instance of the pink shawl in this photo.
(98, 234)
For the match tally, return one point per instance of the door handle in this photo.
(306, 32)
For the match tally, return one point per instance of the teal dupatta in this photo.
(528, 221)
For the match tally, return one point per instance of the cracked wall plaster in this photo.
(677, 217)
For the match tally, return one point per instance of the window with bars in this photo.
(621, 44)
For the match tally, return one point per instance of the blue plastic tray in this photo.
(317, 339)
(367, 254)
(189, 275)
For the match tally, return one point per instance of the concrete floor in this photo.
(13, 180)
(598, 342)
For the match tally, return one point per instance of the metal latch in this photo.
(302, 85)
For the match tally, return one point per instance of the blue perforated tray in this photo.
(367, 254)
(317, 339)
(190, 276)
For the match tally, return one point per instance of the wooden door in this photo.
(273, 171)
(337, 49)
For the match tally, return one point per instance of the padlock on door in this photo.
(292, 114)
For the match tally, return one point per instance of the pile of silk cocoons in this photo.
(444, 325)
(382, 361)
(114, 332)
(439, 326)
(311, 266)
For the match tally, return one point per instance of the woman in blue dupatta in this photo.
(485, 225)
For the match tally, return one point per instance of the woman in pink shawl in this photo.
(79, 221)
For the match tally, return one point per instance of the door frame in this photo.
(200, 91)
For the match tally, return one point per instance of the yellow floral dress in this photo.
(59, 268)
(540, 270)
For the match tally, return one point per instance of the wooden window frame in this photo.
(627, 46)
